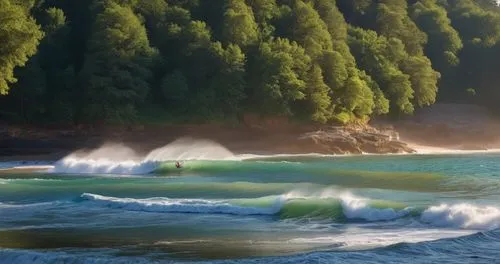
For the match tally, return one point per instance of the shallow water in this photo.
(364, 209)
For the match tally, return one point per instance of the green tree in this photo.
(393, 22)
(309, 30)
(380, 58)
(175, 89)
(229, 83)
(280, 75)
(351, 92)
(423, 79)
(265, 11)
(317, 94)
(240, 27)
(117, 67)
(20, 36)
(444, 42)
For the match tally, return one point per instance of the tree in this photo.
(309, 30)
(282, 66)
(380, 58)
(20, 36)
(318, 100)
(117, 65)
(444, 42)
(229, 83)
(175, 89)
(393, 22)
(240, 27)
(423, 79)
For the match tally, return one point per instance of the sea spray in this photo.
(119, 159)
(191, 149)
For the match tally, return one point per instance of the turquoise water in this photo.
(361, 209)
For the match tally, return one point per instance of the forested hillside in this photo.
(314, 60)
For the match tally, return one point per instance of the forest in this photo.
(325, 61)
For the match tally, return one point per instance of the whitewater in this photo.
(114, 205)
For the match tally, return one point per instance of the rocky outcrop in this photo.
(340, 140)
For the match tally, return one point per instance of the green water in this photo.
(278, 209)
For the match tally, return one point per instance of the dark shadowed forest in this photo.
(121, 61)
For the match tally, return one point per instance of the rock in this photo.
(348, 141)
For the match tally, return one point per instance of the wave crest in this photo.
(463, 215)
(288, 205)
(162, 204)
(120, 159)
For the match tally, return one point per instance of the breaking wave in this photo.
(119, 159)
(339, 207)
(463, 215)
(344, 206)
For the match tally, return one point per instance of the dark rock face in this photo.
(349, 141)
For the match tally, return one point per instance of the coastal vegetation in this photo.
(325, 61)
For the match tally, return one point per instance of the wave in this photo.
(24, 164)
(359, 208)
(161, 204)
(291, 205)
(104, 166)
(339, 207)
(119, 159)
(365, 239)
(463, 215)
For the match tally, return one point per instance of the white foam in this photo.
(463, 215)
(364, 239)
(359, 208)
(354, 207)
(428, 150)
(6, 181)
(162, 204)
(103, 166)
(119, 159)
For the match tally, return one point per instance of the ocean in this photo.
(113, 206)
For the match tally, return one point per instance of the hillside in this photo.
(321, 61)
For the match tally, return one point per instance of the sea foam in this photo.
(168, 205)
(463, 215)
(354, 207)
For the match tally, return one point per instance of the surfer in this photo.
(178, 165)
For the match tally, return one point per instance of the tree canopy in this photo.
(314, 60)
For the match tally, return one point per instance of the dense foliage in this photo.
(317, 60)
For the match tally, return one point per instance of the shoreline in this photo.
(35, 142)
(245, 149)
(29, 162)
(430, 131)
